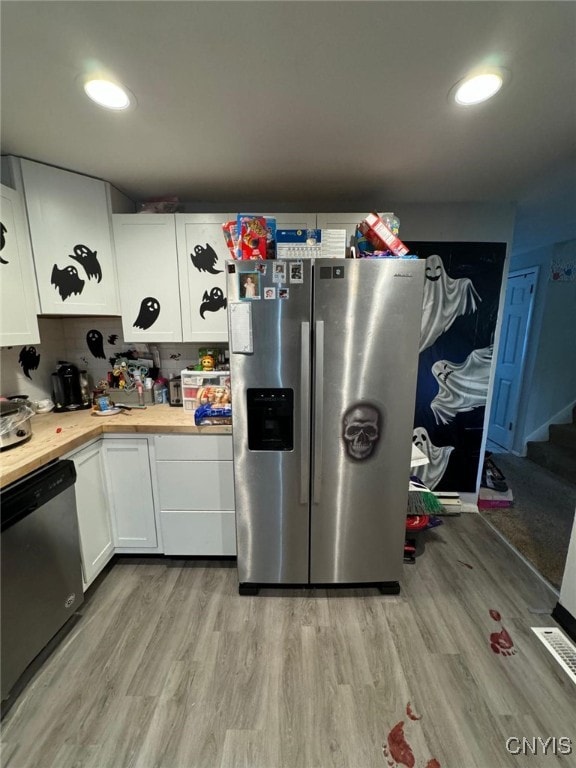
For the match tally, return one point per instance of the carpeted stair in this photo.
(558, 454)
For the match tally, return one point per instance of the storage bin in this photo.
(193, 381)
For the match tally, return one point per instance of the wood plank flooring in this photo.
(170, 668)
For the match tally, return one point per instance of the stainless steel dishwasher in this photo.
(41, 569)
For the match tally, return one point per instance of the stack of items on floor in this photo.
(424, 510)
(494, 490)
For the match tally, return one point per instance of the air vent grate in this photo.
(563, 650)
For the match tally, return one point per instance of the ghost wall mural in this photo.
(445, 299)
(438, 456)
(460, 309)
(461, 387)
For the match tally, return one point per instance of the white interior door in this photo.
(510, 365)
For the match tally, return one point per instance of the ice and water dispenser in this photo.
(270, 419)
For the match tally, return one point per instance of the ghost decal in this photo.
(95, 342)
(213, 301)
(66, 281)
(29, 359)
(461, 387)
(3, 231)
(361, 430)
(149, 311)
(445, 299)
(83, 255)
(204, 259)
(112, 338)
(430, 474)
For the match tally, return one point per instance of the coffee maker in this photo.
(69, 391)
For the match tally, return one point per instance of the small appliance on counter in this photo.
(175, 391)
(15, 426)
(70, 390)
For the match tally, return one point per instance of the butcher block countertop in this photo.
(55, 434)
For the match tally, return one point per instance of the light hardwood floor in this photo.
(170, 668)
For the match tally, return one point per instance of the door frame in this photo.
(519, 376)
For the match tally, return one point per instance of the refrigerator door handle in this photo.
(318, 409)
(304, 412)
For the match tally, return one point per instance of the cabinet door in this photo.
(202, 254)
(70, 229)
(96, 544)
(147, 263)
(18, 298)
(130, 492)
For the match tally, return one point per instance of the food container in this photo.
(15, 426)
(195, 384)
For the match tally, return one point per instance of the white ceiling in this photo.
(325, 105)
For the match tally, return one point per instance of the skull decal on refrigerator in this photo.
(361, 430)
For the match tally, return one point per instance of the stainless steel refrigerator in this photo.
(323, 360)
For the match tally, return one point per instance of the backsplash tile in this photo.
(66, 339)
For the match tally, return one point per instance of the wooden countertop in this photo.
(55, 434)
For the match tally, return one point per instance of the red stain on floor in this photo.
(399, 748)
(397, 751)
(501, 642)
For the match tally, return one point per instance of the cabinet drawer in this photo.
(193, 447)
(198, 485)
(198, 533)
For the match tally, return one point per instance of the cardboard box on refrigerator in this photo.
(380, 236)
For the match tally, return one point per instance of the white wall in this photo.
(545, 228)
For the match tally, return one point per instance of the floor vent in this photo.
(563, 650)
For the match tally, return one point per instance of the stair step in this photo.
(555, 458)
(563, 434)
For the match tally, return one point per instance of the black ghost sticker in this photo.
(29, 360)
(149, 311)
(3, 231)
(204, 259)
(112, 338)
(89, 260)
(213, 301)
(95, 342)
(66, 281)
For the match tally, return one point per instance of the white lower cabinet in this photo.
(196, 494)
(96, 544)
(127, 467)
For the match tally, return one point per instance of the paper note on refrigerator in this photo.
(241, 328)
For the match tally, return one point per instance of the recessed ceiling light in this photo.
(107, 94)
(478, 88)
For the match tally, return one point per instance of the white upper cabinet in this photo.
(202, 255)
(147, 264)
(70, 230)
(18, 298)
(293, 220)
(347, 221)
